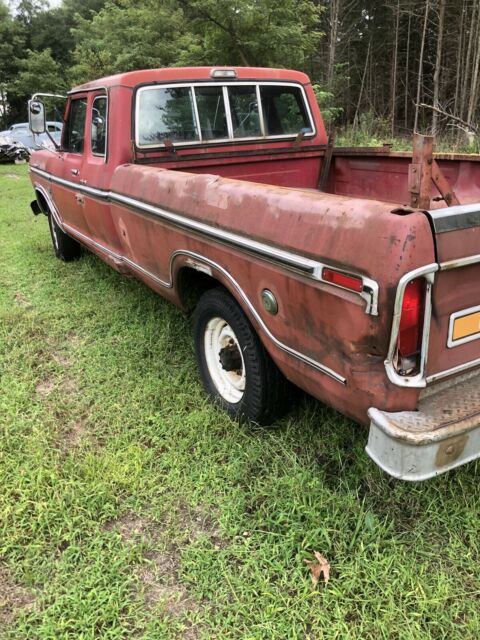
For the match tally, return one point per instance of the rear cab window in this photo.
(194, 113)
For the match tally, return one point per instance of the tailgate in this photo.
(454, 343)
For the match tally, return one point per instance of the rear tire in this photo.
(66, 248)
(235, 368)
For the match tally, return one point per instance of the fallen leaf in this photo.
(318, 568)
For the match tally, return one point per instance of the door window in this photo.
(74, 136)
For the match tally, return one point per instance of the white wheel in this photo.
(224, 360)
(235, 369)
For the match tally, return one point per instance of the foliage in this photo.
(38, 72)
(326, 102)
(253, 33)
(127, 35)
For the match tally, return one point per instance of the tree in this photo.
(253, 33)
(128, 35)
(38, 72)
(11, 42)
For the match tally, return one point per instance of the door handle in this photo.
(74, 172)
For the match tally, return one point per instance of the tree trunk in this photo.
(472, 103)
(438, 66)
(334, 12)
(407, 78)
(420, 65)
(357, 110)
(394, 75)
(466, 66)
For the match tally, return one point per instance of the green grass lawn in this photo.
(130, 507)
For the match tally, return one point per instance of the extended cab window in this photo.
(166, 114)
(244, 109)
(214, 112)
(284, 110)
(211, 112)
(74, 136)
(98, 129)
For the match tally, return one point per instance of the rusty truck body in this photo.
(351, 273)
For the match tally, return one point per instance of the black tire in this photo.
(66, 248)
(266, 391)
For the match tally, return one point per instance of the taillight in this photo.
(410, 332)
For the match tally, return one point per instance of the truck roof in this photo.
(188, 74)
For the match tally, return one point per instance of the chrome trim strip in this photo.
(459, 262)
(418, 380)
(460, 314)
(310, 268)
(300, 356)
(205, 261)
(450, 372)
(455, 218)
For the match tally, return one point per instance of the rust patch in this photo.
(12, 597)
(450, 450)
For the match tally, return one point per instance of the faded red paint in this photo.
(356, 227)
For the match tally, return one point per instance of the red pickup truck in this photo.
(351, 273)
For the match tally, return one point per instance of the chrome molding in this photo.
(198, 261)
(450, 372)
(464, 216)
(307, 267)
(418, 380)
(459, 262)
(451, 323)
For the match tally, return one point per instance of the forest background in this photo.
(374, 64)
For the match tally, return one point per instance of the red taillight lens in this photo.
(342, 279)
(411, 320)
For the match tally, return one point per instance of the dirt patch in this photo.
(160, 584)
(69, 386)
(44, 387)
(12, 597)
(22, 301)
(134, 528)
(199, 523)
(73, 436)
(13, 176)
(61, 358)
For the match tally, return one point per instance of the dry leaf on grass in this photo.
(319, 567)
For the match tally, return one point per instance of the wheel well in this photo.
(191, 285)
(42, 202)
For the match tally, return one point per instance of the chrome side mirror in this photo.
(36, 116)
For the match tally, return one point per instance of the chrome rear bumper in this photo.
(443, 434)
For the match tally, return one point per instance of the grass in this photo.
(132, 508)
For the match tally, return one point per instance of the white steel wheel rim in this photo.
(219, 337)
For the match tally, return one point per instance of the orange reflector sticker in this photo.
(466, 326)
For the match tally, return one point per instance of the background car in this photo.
(21, 133)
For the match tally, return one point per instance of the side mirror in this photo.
(36, 116)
